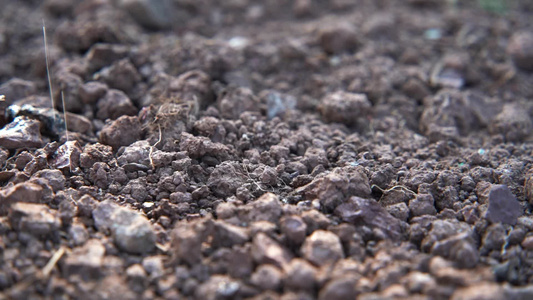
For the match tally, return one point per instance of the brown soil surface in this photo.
(275, 149)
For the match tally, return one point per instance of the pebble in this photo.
(113, 105)
(513, 122)
(300, 275)
(187, 240)
(86, 261)
(322, 248)
(294, 229)
(527, 243)
(360, 211)
(344, 107)
(36, 219)
(16, 89)
(265, 250)
(460, 248)
(343, 288)
(267, 277)
(338, 38)
(422, 204)
(520, 48)
(22, 132)
(485, 291)
(218, 287)
(100, 55)
(152, 14)
(21, 192)
(90, 92)
(236, 101)
(132, 232)
(121, 132)
(227, 235)
(503, 205)
(153, 265)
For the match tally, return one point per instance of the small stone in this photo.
(513, 122)
(300, 275)
(265, 208)
(236, 101)
(494, 237)
(67, 156)
(122, 132)
(460, 248)
(22, 132)
(267, 251)
(78, 235)
(422, 204)
(114, 104)
(16, 89)
(527, 243)
(102, 214)
(153, 265)
(322, 248)
(359, 211)
(339, 38)
(121, 75)
(483, 291)
(294, 229)
(136, 277)
(78, 123)
(400, 211)
(101, 55)
(149, 13)
(344, 107)
(218, 287)
(68, 88)
(520, 48)
(36, 219)
(187, 240)
(343, 288)
(227, 235)
(90, 92)
(503, 205)
(267, 277)
(87, 261)
(21, 192)
(132, 232)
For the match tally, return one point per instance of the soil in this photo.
(279, 149)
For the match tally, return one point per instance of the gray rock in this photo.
(503, 206)
(54, 179)
(422, 204)
(368, 212)
(86, 261)
(153, 265)
(518, 293)
(78, 235)
(400, 211)
(132, 232)
(36, 219)
(218, 287)
(102, 215)
(22, 132)
(267, 277)
(265, 250)
(322, 248)
(152, 14)
(67, 156)
(460, 248)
